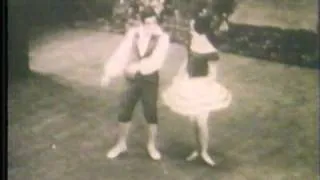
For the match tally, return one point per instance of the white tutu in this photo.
(195, 96)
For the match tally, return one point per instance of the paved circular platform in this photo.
(77, 56)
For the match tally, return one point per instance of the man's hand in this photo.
(105, 81)
(132, 69)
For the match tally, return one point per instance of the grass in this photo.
(267, 133)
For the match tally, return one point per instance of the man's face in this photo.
(204, 12)
(150, 24)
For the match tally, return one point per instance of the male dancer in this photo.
(139, 57)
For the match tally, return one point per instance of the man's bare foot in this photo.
(117, 150)
(192, 156)
(153, 152)
(207, 159)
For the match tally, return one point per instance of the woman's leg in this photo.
(203, 138)
(195, 153)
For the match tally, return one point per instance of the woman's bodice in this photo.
(198, 65)
(199, 40)
(200, 43)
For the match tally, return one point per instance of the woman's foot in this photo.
(207, 159)
(117, 150)
(192, 156)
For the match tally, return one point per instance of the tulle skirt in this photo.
(195, 96)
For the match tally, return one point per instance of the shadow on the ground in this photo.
(287, 46)
(23, 93)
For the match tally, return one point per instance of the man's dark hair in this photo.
(148, 12)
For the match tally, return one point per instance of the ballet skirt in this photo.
(191, 96)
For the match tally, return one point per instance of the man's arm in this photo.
(116, 63)
(156, 60)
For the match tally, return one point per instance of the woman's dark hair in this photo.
(202, 24)
(198, 7)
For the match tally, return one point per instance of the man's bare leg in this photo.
(121, 145)
(151, 146)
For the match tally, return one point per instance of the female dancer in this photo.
(195, 92)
